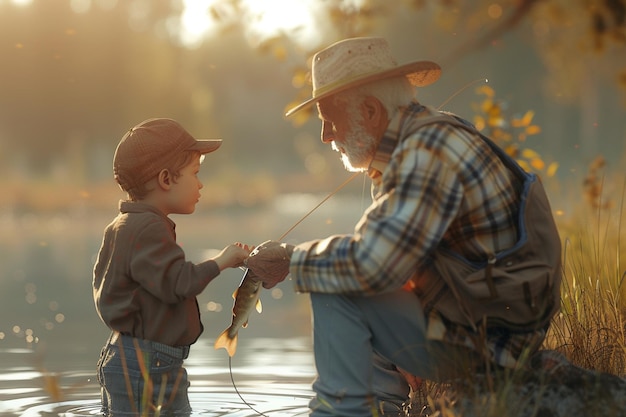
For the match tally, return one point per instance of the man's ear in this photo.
(375, 114)
(164, 179)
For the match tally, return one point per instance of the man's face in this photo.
(344, 128)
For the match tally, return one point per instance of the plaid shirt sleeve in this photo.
(433, 185)
(424, 183)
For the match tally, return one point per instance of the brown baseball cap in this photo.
(150, 147)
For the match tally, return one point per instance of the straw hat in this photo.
(357, 61)
(151, 146)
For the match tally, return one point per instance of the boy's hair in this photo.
(185, 158)
(151, 146)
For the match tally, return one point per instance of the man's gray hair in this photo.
(391, 92)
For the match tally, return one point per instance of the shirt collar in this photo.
(128, 206)
(391, 137)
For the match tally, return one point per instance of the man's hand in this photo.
(270, 262)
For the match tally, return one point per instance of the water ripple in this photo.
(274, 382)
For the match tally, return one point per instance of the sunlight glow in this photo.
(267, 19)
(261, 20)
(80, 6)
(196, 22)
(21, 2)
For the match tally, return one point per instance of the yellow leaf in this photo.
(537, 163)
(494, 121)
(533, 130)
(486, 90)
(551, 171)
(529, 154)
(516, 122)
(486, 106)
(512, 151)
(525, 120)
(523, 164)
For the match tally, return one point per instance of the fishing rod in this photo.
(460, 90)
(336, 190)
(289, 230)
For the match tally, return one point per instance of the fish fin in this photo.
(245, 324)
(259, 307)
(226, 342)
(235, 293)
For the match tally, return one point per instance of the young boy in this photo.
(143, 288)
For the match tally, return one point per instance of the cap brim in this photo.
(419, 74)
(207, 145)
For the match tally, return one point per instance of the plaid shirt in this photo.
(432, 185)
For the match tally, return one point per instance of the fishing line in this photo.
(459, 91)
(335, 191)
(230, 368)
(332, 193)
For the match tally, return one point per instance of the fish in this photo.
(247, 297)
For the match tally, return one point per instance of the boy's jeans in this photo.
(359, 340)
(137, 377)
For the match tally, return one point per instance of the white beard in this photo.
(358, 148)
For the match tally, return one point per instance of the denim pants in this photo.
(358, 343)
(138, 378)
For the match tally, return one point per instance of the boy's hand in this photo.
(233, 256)
(270, 262)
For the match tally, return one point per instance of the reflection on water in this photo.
(273, 377)
(50, 335)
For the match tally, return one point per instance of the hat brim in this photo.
(206, 145)
(419, 74)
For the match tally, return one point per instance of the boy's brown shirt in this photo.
(142, 284)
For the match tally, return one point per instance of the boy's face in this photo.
(185, 191)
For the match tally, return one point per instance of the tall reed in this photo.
(590, 330)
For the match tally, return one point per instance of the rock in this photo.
(552, 387)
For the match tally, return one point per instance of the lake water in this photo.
(50, 335)
(272, 376)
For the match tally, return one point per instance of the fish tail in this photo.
(227, 342)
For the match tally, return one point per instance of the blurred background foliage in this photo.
(76, 74)
(546, 79)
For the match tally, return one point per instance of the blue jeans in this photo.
(136, 380)
(359, 342)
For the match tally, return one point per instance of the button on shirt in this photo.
(432, 185)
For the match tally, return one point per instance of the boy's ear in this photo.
(164, 179)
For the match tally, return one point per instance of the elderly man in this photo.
(434, 184)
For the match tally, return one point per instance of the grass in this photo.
(591, 327)
(589, 330)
